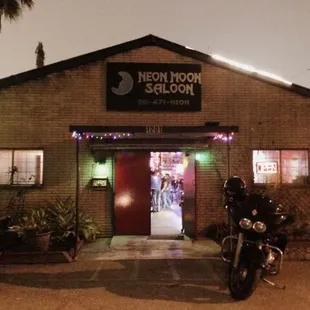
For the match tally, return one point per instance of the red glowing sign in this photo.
(267, 167)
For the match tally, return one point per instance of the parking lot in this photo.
(143, 284)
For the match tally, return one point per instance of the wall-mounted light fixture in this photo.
(100, 176)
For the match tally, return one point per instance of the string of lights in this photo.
(107, 135)
(124, 135)
(224, 137)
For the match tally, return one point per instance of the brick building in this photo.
(109, 109)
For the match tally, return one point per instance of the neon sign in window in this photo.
(280, 166)
(267, 167)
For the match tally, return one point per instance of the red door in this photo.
(132, 193)
(188, 210)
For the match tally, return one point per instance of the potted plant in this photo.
(62, 216)
(37, 230)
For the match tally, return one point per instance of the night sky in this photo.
(271, 35)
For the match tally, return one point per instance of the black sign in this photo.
(153, 87)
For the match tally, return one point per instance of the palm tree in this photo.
(13, 9)
(40, 55)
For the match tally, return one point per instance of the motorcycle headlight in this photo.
(259, 227)
(245, 223)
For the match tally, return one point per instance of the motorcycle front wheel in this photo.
(243, 279)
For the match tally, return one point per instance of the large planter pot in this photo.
(39, 242)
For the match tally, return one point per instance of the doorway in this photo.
(167, 192)
(137, 211)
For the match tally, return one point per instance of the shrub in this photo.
(62, 218)
(35, 222)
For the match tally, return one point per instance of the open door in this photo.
(189, 207)
(132, 193)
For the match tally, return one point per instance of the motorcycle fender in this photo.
(252, 252)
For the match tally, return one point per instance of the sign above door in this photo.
(153, 87)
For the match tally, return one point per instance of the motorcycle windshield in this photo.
(261, 208)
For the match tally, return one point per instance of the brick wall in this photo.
(37, 114)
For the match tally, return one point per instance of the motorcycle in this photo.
(255, 243)
(10, 236)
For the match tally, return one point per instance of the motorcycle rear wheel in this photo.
(243, 280)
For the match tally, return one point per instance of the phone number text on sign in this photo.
(162, 102)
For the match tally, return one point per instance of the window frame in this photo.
(306, 184)
(41, 185)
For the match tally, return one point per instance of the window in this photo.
(280, 166)
(21, 167)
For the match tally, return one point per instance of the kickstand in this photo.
(281, 287)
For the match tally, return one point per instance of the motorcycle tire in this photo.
(243, 280)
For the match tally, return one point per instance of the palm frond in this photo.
(11, 9)
(27, 3)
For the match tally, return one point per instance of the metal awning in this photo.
(153, 133)
(155, 129)
(176, 145)
(152, 137)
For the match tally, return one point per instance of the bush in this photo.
(35, 222)
(62, 217)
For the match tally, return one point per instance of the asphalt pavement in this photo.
(144, 284)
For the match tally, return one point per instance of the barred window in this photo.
(280, 166)
(21, 167)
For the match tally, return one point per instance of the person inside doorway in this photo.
(155, 190)
(174, 190)
(166, 187)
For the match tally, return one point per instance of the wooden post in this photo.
(77, 195)
(228, 157)
(228, 176)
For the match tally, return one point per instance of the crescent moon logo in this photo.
(125, 86)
